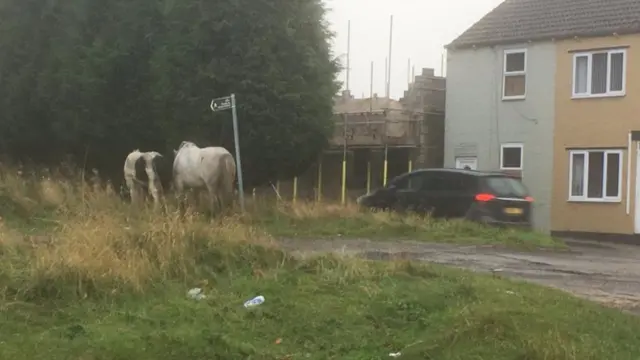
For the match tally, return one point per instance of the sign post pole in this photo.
(226, 103)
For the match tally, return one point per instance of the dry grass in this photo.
(89, 237)
(313, 221)
(86, 238)
(84, 275)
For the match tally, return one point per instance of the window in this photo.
(511, 157)
(514, 85)
(408, 182)
(434, 182)
(599, 74)
(505, 186)
(458, 183)
(596, 175)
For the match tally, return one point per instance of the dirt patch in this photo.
(607, 273)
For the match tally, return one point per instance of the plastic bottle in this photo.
(254, 302)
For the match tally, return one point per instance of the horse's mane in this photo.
(185, 144)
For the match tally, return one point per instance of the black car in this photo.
(490, 198)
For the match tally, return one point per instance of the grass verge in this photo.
(324, 308)
(109, 282)
(34, 205)
(313, 221)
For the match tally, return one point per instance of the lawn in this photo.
(325, 308)
(84, 276)
(313, 221)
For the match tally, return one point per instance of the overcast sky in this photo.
(421, 28)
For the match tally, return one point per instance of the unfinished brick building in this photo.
(408, 133)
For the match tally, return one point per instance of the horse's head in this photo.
(183, 145)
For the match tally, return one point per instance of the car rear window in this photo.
(506, 186)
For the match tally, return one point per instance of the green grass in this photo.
(112, 281)
(313, 221)
(324, 308)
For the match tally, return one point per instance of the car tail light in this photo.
(484, 197)
(529, 199)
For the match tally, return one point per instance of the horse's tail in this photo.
(230, 170)
(228, 175)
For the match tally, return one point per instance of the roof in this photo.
(375, 104)
(516, 21)
(458, 171)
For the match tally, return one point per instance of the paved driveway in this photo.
(606, 273)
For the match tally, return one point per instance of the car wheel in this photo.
(398, 208)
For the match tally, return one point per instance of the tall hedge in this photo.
(97, 78)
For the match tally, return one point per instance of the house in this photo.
(547, 89)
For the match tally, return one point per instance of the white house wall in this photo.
(478, 120)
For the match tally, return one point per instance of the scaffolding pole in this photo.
(348, 53)
(385, 167)
(295, 189)
(343, 193)
(369, 174)
(388, 84)
(371, 89)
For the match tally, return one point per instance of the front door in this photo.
(469, 163)
(406, 192)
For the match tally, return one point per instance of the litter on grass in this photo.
(254, 302)
(196, 294)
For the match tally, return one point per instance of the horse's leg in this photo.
(220, 193)
(194, 199)
(133, 190)
(213, 198)
(155, 194)
(228, 191)
(223, 194)
(138, 195)
(179, 194)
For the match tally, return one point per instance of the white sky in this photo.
(421, 28)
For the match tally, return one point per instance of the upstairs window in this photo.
(599, 73)
(514, 82)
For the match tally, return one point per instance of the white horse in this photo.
(145, 170)
(212, 168)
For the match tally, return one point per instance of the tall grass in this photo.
(84, 275)
(318, 220)
(80, 240)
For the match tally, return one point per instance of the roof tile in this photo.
(538, 20)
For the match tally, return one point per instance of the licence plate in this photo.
(513, 211)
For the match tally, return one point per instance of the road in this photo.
(607, 273)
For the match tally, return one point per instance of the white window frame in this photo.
(589, 55)
(506, 74)
(585, 176)
(511, 146)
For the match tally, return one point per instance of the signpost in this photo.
(226, 103)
